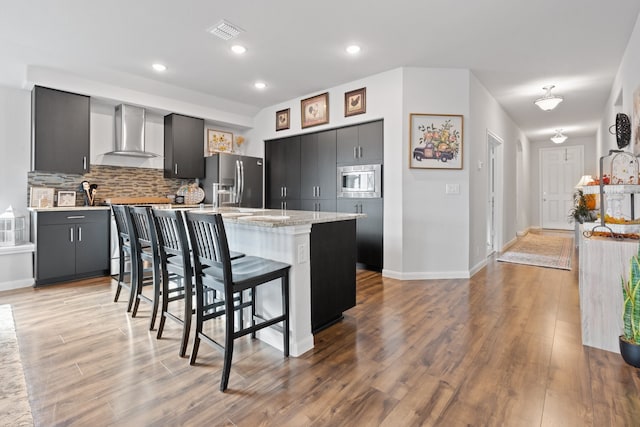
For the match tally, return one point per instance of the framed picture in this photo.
(283, 119)
(355, 102)
(219, 141)
(435, 141)
(66, 198)
(315, 110)
(41, 197)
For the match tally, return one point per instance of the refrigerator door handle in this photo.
(241, 186)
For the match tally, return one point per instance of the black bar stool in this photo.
(236, 282)
(144, 251)
(124, 251)
(176, 270)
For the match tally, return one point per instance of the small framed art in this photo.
(355, 102)
(219, 141)
(435, 141)
(41, 197)
(66, 198)
(283, 119)
(315, 110)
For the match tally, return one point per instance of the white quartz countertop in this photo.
(277, 217)
(70, 208)
(249, 216)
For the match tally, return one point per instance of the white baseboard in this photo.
(425, 275)
(15, 284)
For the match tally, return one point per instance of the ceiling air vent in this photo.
(225, 30)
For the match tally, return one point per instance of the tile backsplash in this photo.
(112, 181)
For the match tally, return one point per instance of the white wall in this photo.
(435, 224)
(627, 81)
(15, 147)
(514, 152)
(16, 265)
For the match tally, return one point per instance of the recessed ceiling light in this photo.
(159, 67)
(238, 49)
(260, 85)
(353, 49)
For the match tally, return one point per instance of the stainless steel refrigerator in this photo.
(240, 177)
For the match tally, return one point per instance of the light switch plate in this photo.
(452, 189)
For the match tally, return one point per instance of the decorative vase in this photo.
(630, 352)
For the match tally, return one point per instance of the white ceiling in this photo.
(513, 47)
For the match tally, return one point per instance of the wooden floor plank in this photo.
(501, 348)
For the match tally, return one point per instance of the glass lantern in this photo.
(13, 228)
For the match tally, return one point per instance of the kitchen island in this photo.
(319, 246)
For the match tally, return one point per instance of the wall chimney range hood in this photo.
(129, 132)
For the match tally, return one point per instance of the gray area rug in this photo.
(552, 251)
(14, 400)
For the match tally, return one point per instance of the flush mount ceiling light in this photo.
(548, 102)
(260, 85)
(225, 30)
(353, 49)
(238, 49)
(559, 138)
(159, 67)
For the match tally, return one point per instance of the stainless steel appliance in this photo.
(360, 181)
(238, 177)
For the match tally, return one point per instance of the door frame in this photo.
(495, 144)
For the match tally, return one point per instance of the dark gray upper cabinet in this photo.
(60, 131)
(318, 167)
(282, 171)
(183, 147)
(360, 144)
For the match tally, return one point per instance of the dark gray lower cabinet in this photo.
(70, 245)
(333, 272)
(319, 205)
(369, 230)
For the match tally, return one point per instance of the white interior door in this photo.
(560, 170)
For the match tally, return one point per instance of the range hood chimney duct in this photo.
(129, 132)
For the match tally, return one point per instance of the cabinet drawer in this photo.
(68, 217)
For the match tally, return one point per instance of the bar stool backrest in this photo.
(172, 241)
(122, 225)
(209, 243)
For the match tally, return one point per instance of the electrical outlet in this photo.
(302, 253)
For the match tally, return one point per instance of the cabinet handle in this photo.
(355, 152)
(360, 151)
(318, 195)
(84, 162)
(285, 191)
(75, 217)
(175, 169)
(71, 234)
(79, 234)
(356, 207)
(281, 191)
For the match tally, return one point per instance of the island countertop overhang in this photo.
(277, 217)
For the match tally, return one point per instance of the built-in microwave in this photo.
(360, 181)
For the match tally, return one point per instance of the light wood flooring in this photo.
(500, 349)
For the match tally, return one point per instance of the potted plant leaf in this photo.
(630, 338)
(582, 209)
